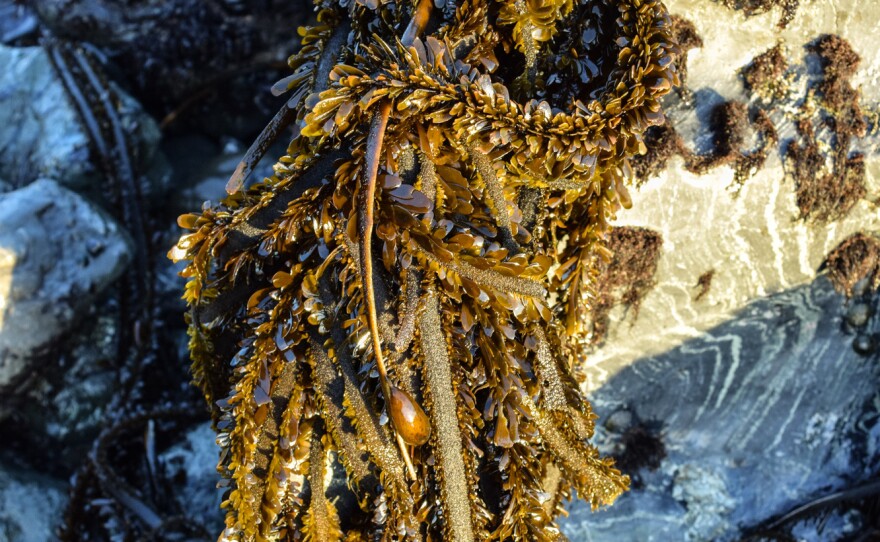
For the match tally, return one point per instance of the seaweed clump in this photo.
(704, 283)
(403, 302)
(756, 7)
(627, 276)
(730, 123)
(829, 176)
(824, 195)
(636, 444)
(855, 259)
(764, 75)
(662, 142)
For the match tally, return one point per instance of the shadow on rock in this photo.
(763, 413)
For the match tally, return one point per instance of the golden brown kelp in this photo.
(405, 297)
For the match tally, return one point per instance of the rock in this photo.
(864, 345)
(31, 505)
(759, 415)
(858, 315)
(18, 23)
(191, 465)
(225, 54)
(761, 378)
(41, 131)
(752, 239)
(57, 253)
(703, 492)
(56, 418)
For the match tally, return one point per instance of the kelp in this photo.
(405, 298)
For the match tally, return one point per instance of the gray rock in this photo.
(759, 415)
(192, 465)
(31, 505)
(17, 22)
(57, 252)
(41, 134)
(858, 314)
(61, 412)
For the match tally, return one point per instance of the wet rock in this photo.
(57, 253)
(760, 414)
(55, 419)
(219, 57)
(848, 523)
(704, 495)
(619, 421)
(864, 344)
(31, 505)
(18, 23)
(41, 134)
(765, 379)
(858, 314)
(191, 466)
(752, 235)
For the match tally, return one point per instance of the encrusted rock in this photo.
(31, 505)
(190, 464)
(169, 51)
(41, 131)
(57, 253)
(752, 235)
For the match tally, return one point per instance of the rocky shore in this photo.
(736, 366)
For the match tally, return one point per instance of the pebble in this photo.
(858, 315)
(864, 344)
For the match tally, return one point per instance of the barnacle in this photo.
(405, 297)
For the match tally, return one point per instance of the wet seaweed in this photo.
(788, 8)
(626, 277)
(829, 183)
(390, 304)
(765, 75)
(854, 260)
(704, 283)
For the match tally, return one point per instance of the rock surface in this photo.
(31, 505)
(757, 415)
(41, 134)
(58, 415)
(57, 253)
(191, 464)
(759, 393)
(754, 242)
